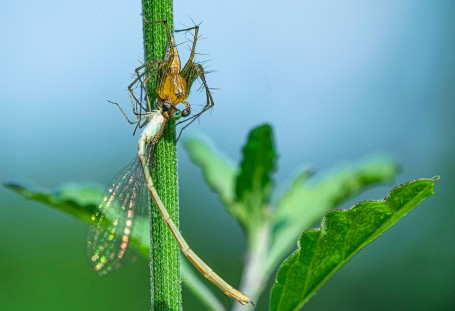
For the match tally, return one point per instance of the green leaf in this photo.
(253, 183)
(343, 233)
(218, 170)
(305, 203)
(81, 199)
(76, 199)
(246, 193)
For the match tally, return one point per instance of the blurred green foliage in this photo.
(271, 232)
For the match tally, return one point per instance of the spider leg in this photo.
(197, 71)
(171, 50)
(190, 60)
(160, 74)
(164, 22)
(189, 28)
(137, 103)
(139, 117)
(140, 125)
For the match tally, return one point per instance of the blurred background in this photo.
(338, 80)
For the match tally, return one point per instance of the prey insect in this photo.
(115, 221)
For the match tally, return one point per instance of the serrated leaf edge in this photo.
(362, 245)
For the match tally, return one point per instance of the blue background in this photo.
(338, 80)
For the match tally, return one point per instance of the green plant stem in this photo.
(166, 291)
(253, 278)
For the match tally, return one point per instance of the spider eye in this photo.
(177, 115)
(166, 107)
(186, 112)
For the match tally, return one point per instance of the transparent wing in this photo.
(117, 221)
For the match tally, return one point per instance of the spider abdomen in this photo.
(173, 90)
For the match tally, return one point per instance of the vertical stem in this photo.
(253, 278)
(164, 253)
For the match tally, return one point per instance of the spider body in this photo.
(172, 84)
(173, 90)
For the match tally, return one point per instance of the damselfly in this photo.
(115, 220)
